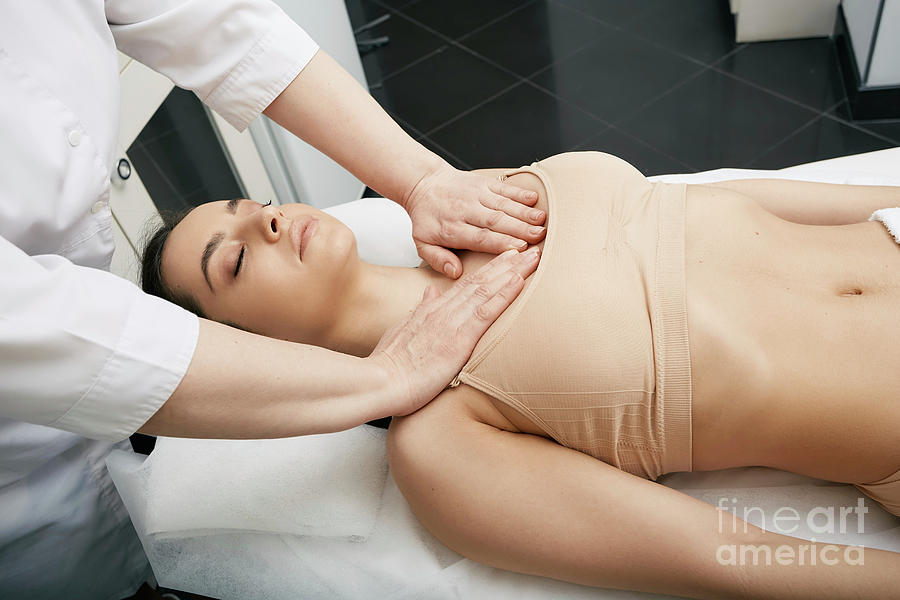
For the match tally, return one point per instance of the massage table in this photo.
(321, 517)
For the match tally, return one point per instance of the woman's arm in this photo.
(242, 385)
(811, 203)
(325, 106)
(526, 504)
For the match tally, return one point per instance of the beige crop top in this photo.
(595, 349)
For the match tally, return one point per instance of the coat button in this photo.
(74, 137)
(98, 206)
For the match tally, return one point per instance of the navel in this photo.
(850, 291)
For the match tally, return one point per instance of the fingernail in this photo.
(514, 277)
(449, 270)
(537, 214)
(533, 254)
(536, 230)
(520, 245)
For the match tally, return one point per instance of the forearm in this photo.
(327, 108)
(279, 389)
(813, 203)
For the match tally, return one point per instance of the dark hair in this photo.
(152, 280)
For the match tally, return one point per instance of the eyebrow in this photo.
(214, 242)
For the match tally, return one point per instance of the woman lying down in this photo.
(667, 328)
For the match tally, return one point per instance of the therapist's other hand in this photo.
(423, 354)
(450, 208)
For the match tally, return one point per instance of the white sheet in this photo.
(381, 551)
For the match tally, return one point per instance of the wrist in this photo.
(391, 393)
(427, 170)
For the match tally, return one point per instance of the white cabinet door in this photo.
(143, 90)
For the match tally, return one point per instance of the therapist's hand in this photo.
(423, 354)
(450, 208)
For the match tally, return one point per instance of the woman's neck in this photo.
(378, 298)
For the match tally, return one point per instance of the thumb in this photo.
(439, 258)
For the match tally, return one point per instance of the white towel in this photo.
(891, 219)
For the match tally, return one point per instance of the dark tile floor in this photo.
(660, 83)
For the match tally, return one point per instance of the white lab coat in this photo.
(80, 349)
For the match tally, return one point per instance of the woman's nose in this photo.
(272, 223)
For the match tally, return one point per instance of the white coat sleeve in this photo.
(236, 55)
(84, 350)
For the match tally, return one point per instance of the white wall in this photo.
(861, 15)
(885, 68)
(299, 172)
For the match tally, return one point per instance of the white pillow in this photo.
(383, 231)
(324, 485)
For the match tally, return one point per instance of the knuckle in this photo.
(482, 236)
(483, 312)
(447, 230)
(472, 280)
(494, 218)
(482, 292)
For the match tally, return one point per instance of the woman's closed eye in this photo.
(239, 262)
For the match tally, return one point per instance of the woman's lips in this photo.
(301, 231)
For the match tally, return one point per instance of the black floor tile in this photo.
(885, 128)
(435, 90)
(459, 17)
(615, 75)
(715, 121)
(517, 128)
(645, 159)
(614, 12)
(803, 70)
(407, 43)
(701, 29)
(533, 37)
(826, 138)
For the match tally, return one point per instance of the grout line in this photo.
(500, 18)
(783, 140)
(652, 147)
(472, 108)
(560, 59)
(623, 30)
(410, 65)
(761, 88)
(463, 163)
(860, 128)
(660, 96)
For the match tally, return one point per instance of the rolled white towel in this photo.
(891, 219)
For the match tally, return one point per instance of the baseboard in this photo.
(865, 102)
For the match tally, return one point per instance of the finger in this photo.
(440, 259)
(491, 277)
(501, 222)
(481, 239)
(523, 213)
(486, 311)
(514, 193)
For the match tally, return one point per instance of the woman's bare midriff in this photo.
(793, 332)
